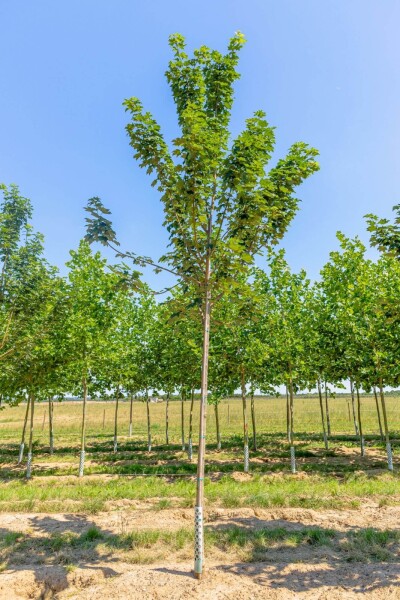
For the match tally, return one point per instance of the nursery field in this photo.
(124, 530)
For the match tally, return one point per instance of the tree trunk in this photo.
(183, 398)
(287, 415)
(253, 421)
(148, 422)
(167, 421)
(190, 442)
(116, 422)
(245, 425)
(130, 416)
(378, 412)
(321, 406)
(198, 515)
(217, 426)
(328, 418)
(385, 424)
(30, 447)
(362, 444)
(291, 414)
(51, 409)
(353, 407)
(22, 446)
(83, 432)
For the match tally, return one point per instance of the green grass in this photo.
(248, 544)
(92, 495)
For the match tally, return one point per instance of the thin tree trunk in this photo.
(116, 421)
(287, 415)
(353, 407)
(253, 421)
(131, 416)
(22, 445)
(385, 424)
(362, 445)
(51, 440)
(291, 413)
(167, 421)
(217, 426)
(190, 441)
(30, 447)
(183, 398)
(245, 424)
(148, 422)
(348, 409)
(198, 515)
(328, 418)
(321, 406)
(83, 432)
(378, 412)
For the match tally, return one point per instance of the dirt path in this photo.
(288, 573)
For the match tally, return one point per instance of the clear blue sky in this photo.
(325, 71)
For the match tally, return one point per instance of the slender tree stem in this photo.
(83, 431)
(30, 447)
(287, 415)
(385, 424)
(378, 412)
(183, 398)
(353, 407)
(321, 406)
(116, 420)
(360, 421)
(131, 416)
(199, 523)
(253, 420)
(245, 422)
(148, 421)
(22, 446)
(51, 409)
(291, 412)
(167, 420)
(328, 418)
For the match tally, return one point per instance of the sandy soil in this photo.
(309, 573)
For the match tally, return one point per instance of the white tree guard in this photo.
(198, 540)
(81, 463)
(292, 459)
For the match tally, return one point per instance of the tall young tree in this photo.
(91, 316)
(221, 205)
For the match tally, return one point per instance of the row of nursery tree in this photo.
(99, 332)
(226, 324)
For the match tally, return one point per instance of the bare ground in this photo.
(287, 573)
